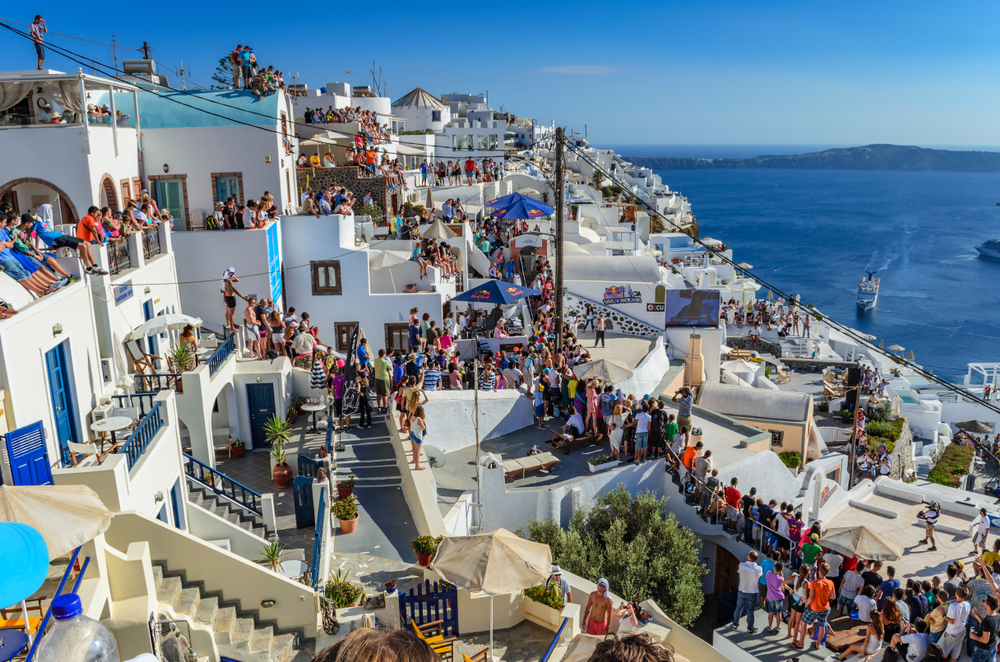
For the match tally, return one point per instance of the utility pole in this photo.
(145, 50)
(559, 237)
(114, 52)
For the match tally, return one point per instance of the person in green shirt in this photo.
(811, 550)
(383, 380)
(670, 429)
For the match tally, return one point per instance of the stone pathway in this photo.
(373, 572)
(525, 642)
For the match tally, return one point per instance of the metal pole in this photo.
(83, 112)
(559, 238)
(114, 120)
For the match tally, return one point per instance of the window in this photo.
(494, 141)
(226, 186)
(482, 140)
(326, 277)
(344, 331)
(777, 438)
(396, 337)
(435, 115)
(461, 141)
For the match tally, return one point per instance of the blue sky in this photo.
(764, 72)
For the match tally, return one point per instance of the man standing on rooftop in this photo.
(684, 400)
(746, 602)
(38, 29)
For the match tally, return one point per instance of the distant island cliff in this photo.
(869, 157)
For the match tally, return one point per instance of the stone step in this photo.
(186, 602)
(243, 630)
(260, 640)
(206, 611)
(282, 648)
(223, 623)
(168, 590)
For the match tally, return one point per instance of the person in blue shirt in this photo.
(398, 371)
(363, 357)
(56, 239)
(30, 278)
(432, 377)
(888, 586)
(414, 336)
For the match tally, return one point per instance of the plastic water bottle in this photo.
(74, 637)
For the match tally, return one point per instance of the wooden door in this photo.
(727, 571)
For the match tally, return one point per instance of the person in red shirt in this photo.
(733, 497)
(470, 171)
(89, 228)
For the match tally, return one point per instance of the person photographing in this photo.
(930, 517)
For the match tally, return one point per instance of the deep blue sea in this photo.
(814, 232)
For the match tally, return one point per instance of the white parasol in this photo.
(163, 323)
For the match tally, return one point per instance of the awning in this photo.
(406, 149)
(330, 138)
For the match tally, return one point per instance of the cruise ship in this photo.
(868, 292)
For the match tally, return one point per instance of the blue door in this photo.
(147, 314)
(175, 503)
(302, 493)
(29, 460)
(62, 400)
(260, 402)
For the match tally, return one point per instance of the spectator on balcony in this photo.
(21, 246)
(250, 217)
(235, 62)
(246, 67)
(34, 280)
(89, 229)
(251, 325)
(328, 161)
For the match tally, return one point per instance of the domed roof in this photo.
(419, 98)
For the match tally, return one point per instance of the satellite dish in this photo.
(435, 456)
(590, 222)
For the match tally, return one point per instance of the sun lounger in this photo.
(561, 443)
(516, 468)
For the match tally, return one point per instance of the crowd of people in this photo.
(248, 75)
(790, 319)
(371, 130)
(235, 215)
(451, 173)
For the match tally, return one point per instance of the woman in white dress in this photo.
(617, 421)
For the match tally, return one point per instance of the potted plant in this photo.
(345, 488)
(390, 586)
(601, 462)
(297, 402)
(281, 473)
(270, 555)
(545, 604)
(181, 357)
(291, 415)
(425, 547)
(845, 415)
(341, 591)
(276, 431)
(238, 448)
(346, 510)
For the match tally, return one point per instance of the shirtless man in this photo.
(252, 325)
(229, 294)
(597, 615)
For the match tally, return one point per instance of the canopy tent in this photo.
(496, 291)
(518, 205)
(437, 230)
(495, 563)
(608, 371)
(862, 542)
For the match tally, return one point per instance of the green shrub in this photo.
(875, 442)
(954, 464)
(641, 552)
(426, 544)
(888, 429)
(550, 595)
(341, 591)
(600, 459)
(791, 459)
(372, 210)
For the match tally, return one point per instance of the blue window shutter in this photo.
(29, 460)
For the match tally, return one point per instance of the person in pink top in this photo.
(591, 405)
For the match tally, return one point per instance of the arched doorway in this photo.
(29, 193)
(107, 194)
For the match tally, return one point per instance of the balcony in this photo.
(134, 251)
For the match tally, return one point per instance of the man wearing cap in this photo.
(45, 116)
(597, 614)
(555, 577)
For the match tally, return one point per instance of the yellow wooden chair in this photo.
(13, 617)
(481, 656)
(433, 634)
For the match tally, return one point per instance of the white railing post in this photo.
(267, 510)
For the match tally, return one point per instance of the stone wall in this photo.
(902, 454)
(620, 323)
(347, 177)
(763, 346)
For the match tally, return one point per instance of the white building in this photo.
(422, 111)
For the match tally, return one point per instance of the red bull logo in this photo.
(619, 294)
(514, 291)
(532, 213)
(481, 294)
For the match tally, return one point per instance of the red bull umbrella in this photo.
(496, 291)
(517, 205)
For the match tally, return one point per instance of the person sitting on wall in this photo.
(574, 427)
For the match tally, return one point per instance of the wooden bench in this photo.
(844, 631)
(518, 467)
(561, 443)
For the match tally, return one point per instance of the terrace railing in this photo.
(555, 640)
(143, 434)
(151, 242)
(141, 399)
(223, 485)
(320, 539)
(163, 381)
(219, 356)
(118, 257)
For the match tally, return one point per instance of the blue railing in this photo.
(165, 381)
(321, 520)
(555, 640)
(141, 399)
(220, 355)
(143, 435)
(222, 484)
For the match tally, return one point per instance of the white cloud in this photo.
(580, 69)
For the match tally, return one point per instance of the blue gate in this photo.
(260, 405)
(308, 466)
(305, 512)
(29, 460)
(426, 603)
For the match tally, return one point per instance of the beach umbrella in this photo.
(429, 203)
(862, 542)
(495, 291)
(881, 344)
(740, 365)
(607, 370)
(495, 563)
(438, 230)
(163, 323)
(770, 295)
(745, 265)
(909, 357)
(581, 647)
(386, 259)
(897, 407)
(977, 427)
(520, 206)
(66, 515)
(896, 348)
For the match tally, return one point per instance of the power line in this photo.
(100, 43)
(846, 330)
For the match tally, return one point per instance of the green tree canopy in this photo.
(642, 553)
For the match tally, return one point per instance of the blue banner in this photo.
(274, 263)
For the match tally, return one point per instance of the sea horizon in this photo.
(750, 150)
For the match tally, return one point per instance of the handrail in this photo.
(118, 257)
(138, 399)
(143, 435)
(318, 538)
(161, 381)
(151, 242)
(220, 355)
(555, 640)
(228, 487)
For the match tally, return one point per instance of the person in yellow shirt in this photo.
(991, 557)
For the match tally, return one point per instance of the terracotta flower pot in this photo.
(344, 492)
(282, 475)
(238, 451)
(349, 525)
(424, 560)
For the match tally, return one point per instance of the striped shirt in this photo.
(431, 380)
